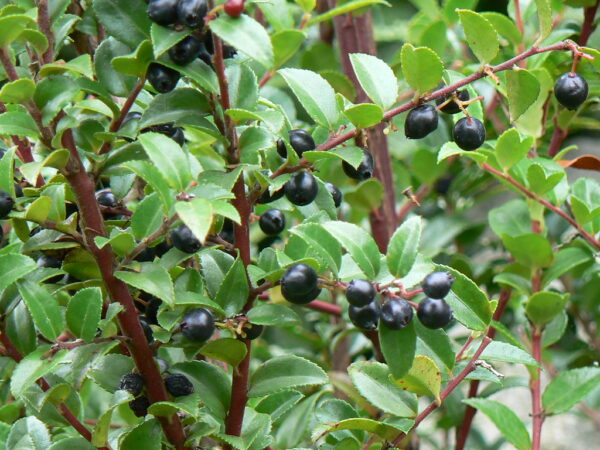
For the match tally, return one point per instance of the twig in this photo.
(46, 28)
(536, 388)
(329, 308)
(588, 26)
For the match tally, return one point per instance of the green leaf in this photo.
(247, 35)
(470, 305)
(565, 260)
(481, 35)
(146, 435)
(7, 170)
(505, 26)
(273, 315)
(154, 178)
(543, 306)
(358, 243)
(128, 21)
(585, 199)
(284, 372)
(344, 8)
(403, 247)
(381, 429)
(18, 123)
(451, 149)
(436, 344)
(163, 38)
(107, 370)
(28, 433)
(501, 351)
(511, 148)
(170, 157)
(197, 215)
(398, 348)
(243, 86)
(285, 45)
(188, 404)
(14, 267)
(530, 249)
(322, 243)
(153, 279)
(116, 83)
(307, 5)
(148, 216)
(366, 197)
(544, 11)
(522, 89)
(39, 210)
(100, 433)
(43, 308)
(364, 115)
(372, 380)
(233, 292)
(507, 422)
(351, 154)
(423, 378)
(32, 367)
(135, 63)
(11, 27)
(72, 442)
(422, 67)
(18, 91)
(84, 313)
(376, 78)
(232, 351)
(569, 388)
(314, 94)
(199, 72)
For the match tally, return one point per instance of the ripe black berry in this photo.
(396, 313)
(420, 121)
(281, 148)
(151, 310)
(302, 188)
(364, 171)
(107, 198)
(301, 141)
(365, 317)
(227, 232)
(132, 382)
(183, 239)
(140, 406)
(234, 8)
(437, 284)
(204, 55)
(336, 194)
(299, 284)
(162, 78)
(469, 133)
(6, 204)
(146, 255)
(272, 222)
(163, 12)
(253, 331)
(434, 313)
(452, 107)
(571, 90)
(147, 330)
(178, 385)
(49, 261)
(360, 293)
(267, 197)
(185, 51)
(198, 325)
(192, 12)
(178, 136)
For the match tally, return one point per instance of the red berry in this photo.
(234, 8)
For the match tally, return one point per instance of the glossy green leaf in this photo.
(398, 348)
(504, 25)
(84, 313)
(7, 170)
(358, 243)
(381, 429)
(128, 21)
(511, 148)
(232, 351)
(423, 378)
(565, 260)
(153, 279)
(344, 8)
(28, 433)
(197, 215)
(72, 442)
(481, 35)
(199, 72)
(18, 91)
(188, 404)
(154, 178)
(364, 115)
(531, 249)
(569, 388)
(376, 78)
(351, 154)
(543, 306)
(522, 88)
(243, 86)
(278, 403)
(12, 26)
(273, 315)
(100, 432)
(285, 45)
(32, 367)
(163, 38)
(366, 197)
(146, 435)
(116, 83)
(504, 352)
(451, 149)
(325, 247)
(148, 216)
(137, 62)
(170, 157)
(18, 123)
(14, 267)
(233, 292)
(436, 344)
(403, 247)
(44, 309)
(422, 67)
(585, 199)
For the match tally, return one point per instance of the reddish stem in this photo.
(46, 28)
(536, 389)
(588, 26)
(329, 308)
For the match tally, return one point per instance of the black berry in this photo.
(229, 51)
(151, 310)
(267, 197)
(360, 293)
(281, 148)
(183, 239)
(178, 385)
(437, 284)
(336, 194)
(434, 313)
(146, 255)
(365, 317)
(396, 313)
(442, 185)
(253, 331)
(162, 78)
(6, 204)
(364, 171)
(140, 406)
(272, 222)
(163, 12)
(452, 107)
(204, 55)
(49, 261)
(147, 330)
(185, 51)
(299, 284)
(301, 141)
(198, 325)
(571, 90)
(107, 198)
(420, 121)
(132, 382)
(178, 136)
(227, 232)
(192, 12)
(302, 188)
(469, 133)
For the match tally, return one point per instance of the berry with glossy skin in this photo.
(198, 325)
(281, 148)
(272, 222)
(132, 382)
(107, 198)
(162, 78)
(178, 385)
(192, 12)
(571, 90)
(396, 313)
(421, 121)
(365, 317)
(163, 12)
(437, 284)
(302, 188)
(140, 406)
(336, 194)
(227, 232)
(147, 330)
(7, 203)
(452, 107)
(360, 293)
(234, 8)
(299, 284)
(185, 51)
(183, 239)
(469, 133)
(253, 331)
(434, 313)
(146, 255)
(364, 171)
(301, 141)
